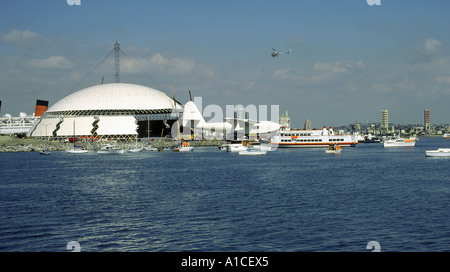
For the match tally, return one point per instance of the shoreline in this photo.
(10, 144)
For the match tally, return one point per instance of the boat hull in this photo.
(135, 150)
(441, 152)
(252, 153)
(183, 149)
(399, 144)
(76, 151)
(312, 145)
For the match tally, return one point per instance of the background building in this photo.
(384, 121)
(426, 121)
(285, 120)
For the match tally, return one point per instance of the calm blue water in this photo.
(208, 200)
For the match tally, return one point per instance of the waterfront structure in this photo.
(109, 111)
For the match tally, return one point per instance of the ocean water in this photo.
(289, 200)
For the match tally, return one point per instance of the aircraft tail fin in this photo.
(191, 113)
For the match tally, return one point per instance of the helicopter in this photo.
(275, 53)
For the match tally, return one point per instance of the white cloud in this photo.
(21, 38)
(54, 62)
(432, 46)
(186, 66)
(338, 66)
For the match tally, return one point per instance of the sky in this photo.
(349, 60)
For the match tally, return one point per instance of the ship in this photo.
(312, 138)
(22, 124)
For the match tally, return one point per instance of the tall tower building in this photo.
(384, 121)
(285, 121)
(307, 125)
(426, 121)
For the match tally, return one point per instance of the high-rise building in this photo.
(384, 120)
(426, 121)
(285, 121)
(307, 124)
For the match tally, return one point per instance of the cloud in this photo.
(338, 66)
(54, 62)
(170, 66)
(432, 46)
(21, 38)
(426, 51)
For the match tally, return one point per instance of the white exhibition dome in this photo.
(115, 96)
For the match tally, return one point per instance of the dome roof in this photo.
(115, 96)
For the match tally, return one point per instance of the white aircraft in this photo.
(193, 118)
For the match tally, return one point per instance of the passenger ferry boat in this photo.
(446, 136)
(312, 138)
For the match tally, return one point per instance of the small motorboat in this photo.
(150, 148)
(441, 152)
(399, 141)
(135, 150)
(184, 147)
(110, 149)
(333, 149)
(251, 151)
(44, 152)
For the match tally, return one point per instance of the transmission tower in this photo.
(117, 61)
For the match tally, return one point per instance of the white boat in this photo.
(333, 149)
(441, 152)
(150, 148)
(76, 149)
(250, 151)
(312, 138)
(235, 147)
(110, 149)
(266, 147)
(135, 150)
(184, 147)
(242, 145)
(398, 141)
(446, 136)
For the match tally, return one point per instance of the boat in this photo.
(136, 148)
(333, 149)
(399, 141)
(251, 151)
(242, 145)
(150, 148)
(235, 146)
(110, 149)
(311, 138)
(446, 136)
(440, 152)
(183, 147)
(44, 152)
(76, 149)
